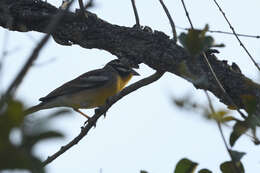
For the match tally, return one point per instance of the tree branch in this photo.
(235, 34)
(92, 121)
(137, 21)
(175, 38)
(187, 13)
(155, 49)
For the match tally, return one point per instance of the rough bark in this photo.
(154, 48)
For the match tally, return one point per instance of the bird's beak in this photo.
(134, 73)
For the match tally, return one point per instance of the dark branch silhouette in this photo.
(170, 20)
(187, 13)
(155, 49)
(137, 22)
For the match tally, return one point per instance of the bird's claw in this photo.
(90, 120)
(99, 110)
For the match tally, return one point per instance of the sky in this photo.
(144, 130)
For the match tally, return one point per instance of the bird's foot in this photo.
(90, 121)
(99, 110)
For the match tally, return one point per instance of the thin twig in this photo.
(82, 8)
(221, 86)
(92, 121)
(235, 34)
(4, 53)
(224, 32)
(136, 14)
(230, 33)
(89, 4)
(34, 55)
(5, 43)
(27, 66)
(170, 20)
(222, 134)
(187, 13)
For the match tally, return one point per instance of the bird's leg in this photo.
(85, 115)
(108, 100)
(99, 110)
(77, 110)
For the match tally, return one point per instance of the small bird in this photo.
(90, 90)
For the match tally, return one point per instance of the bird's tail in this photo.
(34, 109)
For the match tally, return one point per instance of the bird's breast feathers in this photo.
(122, 81)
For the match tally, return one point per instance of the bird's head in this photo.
(122, 68)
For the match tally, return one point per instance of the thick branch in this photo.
(152, 48)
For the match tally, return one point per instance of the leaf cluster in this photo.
(196, 41)
(19, 135)
(187, 166)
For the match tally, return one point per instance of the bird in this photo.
(89, 90)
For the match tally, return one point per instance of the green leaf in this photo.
(228, 167)
(142, 171)
(251, 121)
(250, 103)
(204, 171)
(19, 155)
(239, 128)
(237, 155)
(17, 158)
(32, 140)
(13, 115)
(219, 115)
(185, 166)
(15, 109)
(228, 118)
(207, 42)
(196, 41)
(59, 113)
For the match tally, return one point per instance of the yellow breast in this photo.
(104, 93)
(122, 82)
(100, 97)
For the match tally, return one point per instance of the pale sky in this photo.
(144, 130)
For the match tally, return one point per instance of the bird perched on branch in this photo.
(90, 90)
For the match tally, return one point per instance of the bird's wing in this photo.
(89, 80)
